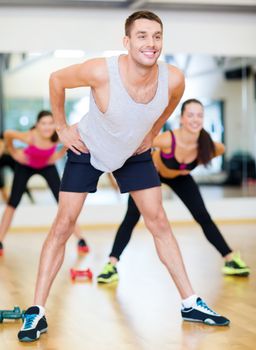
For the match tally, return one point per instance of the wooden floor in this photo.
(142, 311)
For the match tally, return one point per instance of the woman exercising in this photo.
(38, 157)
(177, 153)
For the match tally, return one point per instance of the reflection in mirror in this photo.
(225, 85)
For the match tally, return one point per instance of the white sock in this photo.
(42, 310)
(190, 301)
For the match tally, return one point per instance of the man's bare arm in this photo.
(176, 90)
(88, 73)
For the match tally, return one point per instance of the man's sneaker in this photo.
(34, 324)
(109, 274)
(1, 249)
(236, 267)
(202, 313)
(82, 246)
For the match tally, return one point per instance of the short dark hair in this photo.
(140, 15)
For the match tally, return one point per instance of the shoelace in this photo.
(29, 319)
(205, 306)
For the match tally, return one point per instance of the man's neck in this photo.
(137, 74)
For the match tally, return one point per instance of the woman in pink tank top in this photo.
(38, 157)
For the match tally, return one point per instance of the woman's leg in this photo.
(6, 221)
(149, 202)
(187, 190)
(2, 184)
(124, 231)
(21, 177)
(109, 273)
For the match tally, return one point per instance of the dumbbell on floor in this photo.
(14, 314)
(74, 274)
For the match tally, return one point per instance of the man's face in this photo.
(145, 41)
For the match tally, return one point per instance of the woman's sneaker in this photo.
(202, 313)
(236, 267)
(109, 274)
(34, 324)
(82, 246)
(1, 249)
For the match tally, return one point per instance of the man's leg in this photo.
(52, 255)
(149, 203)
(53, 250)
(188, 191)
(51, 176)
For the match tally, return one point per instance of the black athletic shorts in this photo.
(137, 173)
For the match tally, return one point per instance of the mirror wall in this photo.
(225, 85)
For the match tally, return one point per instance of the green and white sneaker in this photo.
(109, 274)
(236, 267)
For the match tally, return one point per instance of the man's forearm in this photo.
(167, 113)
(159, 124)
(57, 98)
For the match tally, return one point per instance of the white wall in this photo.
(224, 210)
(239, 105)
(42, 29)
(31, 81)
(28, 29)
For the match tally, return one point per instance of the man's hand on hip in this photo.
(70, 138)
(146, 144)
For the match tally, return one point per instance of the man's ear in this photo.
(126, 42)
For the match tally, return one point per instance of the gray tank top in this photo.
(112, 137)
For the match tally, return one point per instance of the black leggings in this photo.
(23, 173)
(187, 189)
(7, 161)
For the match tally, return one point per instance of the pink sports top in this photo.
(38, 157)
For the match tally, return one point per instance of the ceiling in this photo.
(178, 5)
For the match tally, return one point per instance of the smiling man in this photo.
(132, 96)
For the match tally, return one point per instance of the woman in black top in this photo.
(177, 153)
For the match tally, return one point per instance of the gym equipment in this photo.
(74, 274)
(14, 314)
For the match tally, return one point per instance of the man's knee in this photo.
(156, 220)
(62, 229)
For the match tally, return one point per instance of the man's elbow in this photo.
(54, 80)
